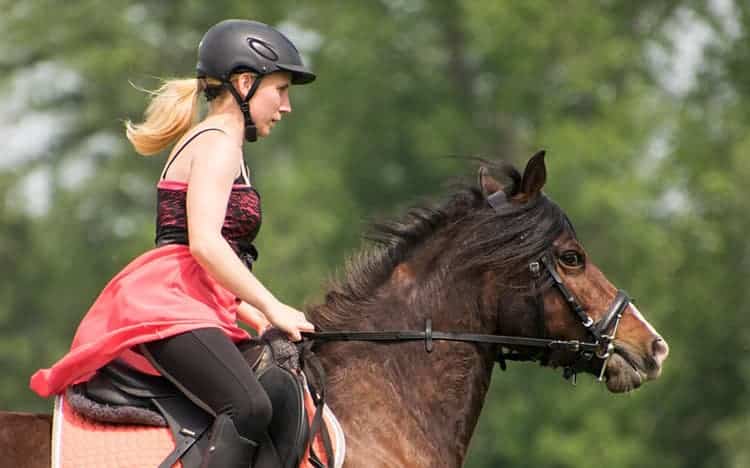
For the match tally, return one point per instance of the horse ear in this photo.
(487, 183)
(535, 174)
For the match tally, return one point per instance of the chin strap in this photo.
(251, 132)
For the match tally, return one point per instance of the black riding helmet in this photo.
(235, 45)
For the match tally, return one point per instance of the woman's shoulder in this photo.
(203, 145)
(202, 137)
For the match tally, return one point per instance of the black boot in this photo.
(228, 449)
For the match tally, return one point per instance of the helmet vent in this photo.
(262, 49)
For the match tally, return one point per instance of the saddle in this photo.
(120, 394)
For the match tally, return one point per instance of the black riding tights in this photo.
(210, 369)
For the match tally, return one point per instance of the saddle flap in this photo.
(137, 383)
(117, 384)
(101, 389)
(189, 425)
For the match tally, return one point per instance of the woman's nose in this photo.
(286, 105)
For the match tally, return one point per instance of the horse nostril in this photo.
(660, 350)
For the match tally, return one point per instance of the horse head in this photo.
(560, 293)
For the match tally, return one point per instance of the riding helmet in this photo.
(236, 45)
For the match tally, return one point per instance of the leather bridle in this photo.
(602, 331)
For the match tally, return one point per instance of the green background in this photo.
(643, 106)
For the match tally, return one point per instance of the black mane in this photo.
(480, 238)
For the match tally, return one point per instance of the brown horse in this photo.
(472, 265)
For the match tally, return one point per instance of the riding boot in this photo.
(228, 449)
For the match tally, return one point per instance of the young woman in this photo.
(174, 309)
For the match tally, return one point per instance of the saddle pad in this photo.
(79, 442)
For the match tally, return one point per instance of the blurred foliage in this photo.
(651, 166)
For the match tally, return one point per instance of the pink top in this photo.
(241, 223)
(161, 293)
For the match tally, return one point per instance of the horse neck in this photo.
(432, 400)
(404, 406)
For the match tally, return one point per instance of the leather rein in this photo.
(602, 331)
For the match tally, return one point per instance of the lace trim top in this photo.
(241, 222)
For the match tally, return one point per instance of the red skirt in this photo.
(162, 293)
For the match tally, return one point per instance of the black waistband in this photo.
(246, 251)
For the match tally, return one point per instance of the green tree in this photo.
(652, 178)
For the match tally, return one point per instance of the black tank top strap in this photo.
(164, 174)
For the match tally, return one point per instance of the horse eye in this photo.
(572, 258)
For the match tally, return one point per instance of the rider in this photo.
(175, 308)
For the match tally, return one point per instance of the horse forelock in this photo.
(506, 242)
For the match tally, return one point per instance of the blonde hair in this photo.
(173, 110)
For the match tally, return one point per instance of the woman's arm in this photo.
(252, 317)
(213, 169)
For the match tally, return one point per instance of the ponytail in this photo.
(173, 110)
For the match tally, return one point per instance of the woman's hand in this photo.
(289, 320)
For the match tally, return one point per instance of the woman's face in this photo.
(270, 101)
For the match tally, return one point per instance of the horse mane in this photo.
(488, 240)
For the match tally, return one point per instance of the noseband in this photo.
(602, 331)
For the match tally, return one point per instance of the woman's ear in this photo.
(244, 82)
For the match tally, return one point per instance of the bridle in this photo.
(602, 331)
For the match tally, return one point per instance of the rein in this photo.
(603, 331)
(428, 336)
(601, 348)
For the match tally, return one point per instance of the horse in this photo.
(408, 338)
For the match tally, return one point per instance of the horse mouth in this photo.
(626, 370)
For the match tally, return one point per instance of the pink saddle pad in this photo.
(79, 442)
